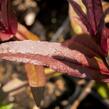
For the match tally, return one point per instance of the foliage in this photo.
(102, 89)
(82, 56)
(6, 106)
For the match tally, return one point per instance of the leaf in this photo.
(37, 81)
(24, 34)
(85, 44)
(7, 106)
(76, 24)
(8, 23)
(102, 91)
(35, 75)
(94, 21)
(103, 31)
(82, 16)
(55, 56)
(94, 12)
(51, 49)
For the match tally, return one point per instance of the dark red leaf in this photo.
(8, 23)
(85, 44)
(103, 32)
(42, 60)
(94, 12)
(94, 21)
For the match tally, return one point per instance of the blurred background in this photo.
(51, 20)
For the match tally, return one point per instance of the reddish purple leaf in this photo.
(45, 49)
(94, 21)
(72, 69)
(94, 12)
(41, 60)
(103, 31)
(85, 44)
(55, 56)
(104, 40)
(8, 23)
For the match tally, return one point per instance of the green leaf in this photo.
(6, 106)
(102, 91)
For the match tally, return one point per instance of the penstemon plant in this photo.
(82, 56)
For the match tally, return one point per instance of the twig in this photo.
(84, 93)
